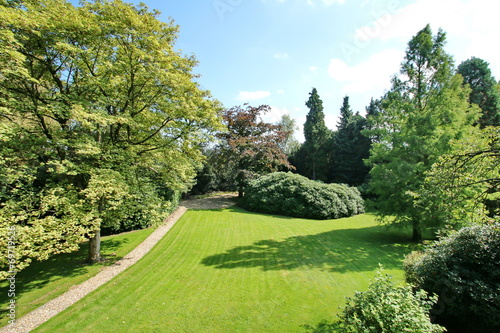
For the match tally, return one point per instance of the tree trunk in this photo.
(417, 232)
(241, 179)
(95, 247)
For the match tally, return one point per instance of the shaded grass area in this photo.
(234, 271)
(44, 281)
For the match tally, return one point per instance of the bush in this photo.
(464, 270)
(385, 307)
(294, 195)
(149, 203)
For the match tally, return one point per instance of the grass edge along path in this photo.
(45, 280)
(55, 306)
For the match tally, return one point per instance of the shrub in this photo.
(294, 195)
(148, 204)
(464, 270)
(385, 307)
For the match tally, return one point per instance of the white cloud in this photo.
(245, 96)
(372, 75)
(275, 114)
(313, 68)
(282, 55)
(331, 121)
(469, 25)
(405, 22)
(299, 133)
(280, 91)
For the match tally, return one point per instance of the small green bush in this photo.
(148, 205)
(388, 308)
(296, 196)
(464, 270)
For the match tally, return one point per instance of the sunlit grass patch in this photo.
(234, 271)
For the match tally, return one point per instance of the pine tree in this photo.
(350, 148)
(317, 136)
(424, 111)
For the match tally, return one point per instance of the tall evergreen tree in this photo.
(317, 136)
(420, 116)
(346, 115)
(350, 148)
(372, 127)
(477, 74)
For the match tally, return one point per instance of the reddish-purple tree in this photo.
(252, 145)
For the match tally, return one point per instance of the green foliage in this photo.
(313, 155)
(419, 117)
(250, 146)
(148, 203)
(100, 117)
(387, 308)
(350, 148)
(464, 270)
(294, 195)
(206, 180)
(289, 126)
(477, 75)
(464, 185)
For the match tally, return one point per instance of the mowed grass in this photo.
(44, 281)
(234, 271)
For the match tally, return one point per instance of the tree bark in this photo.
(95, 247)
(417, 232)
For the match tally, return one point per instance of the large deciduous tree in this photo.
(250, 145)
(100, 117)
(425, 109)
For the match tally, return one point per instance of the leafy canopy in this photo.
(477, 75)
(99, 112)
(251, 146)
(426, 108)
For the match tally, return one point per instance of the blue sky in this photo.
(275, 51)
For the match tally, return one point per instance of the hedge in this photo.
(297, 196)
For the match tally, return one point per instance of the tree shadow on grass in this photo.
(323, 327)
(64, 265)
(346, 250)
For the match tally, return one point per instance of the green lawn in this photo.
(43, 281)
(233, 271)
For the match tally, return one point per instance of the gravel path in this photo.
(53, 307)
(218, 201)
